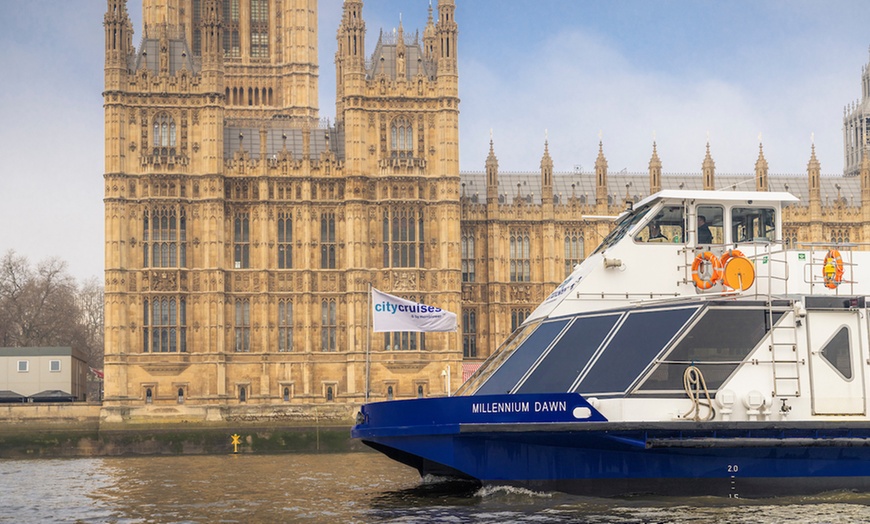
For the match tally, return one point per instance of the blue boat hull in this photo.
(504, 440)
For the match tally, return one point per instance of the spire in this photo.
(708, 168)
(814, 169)
(429, 37)
(601, 176)
(546, 174)
(212, 52)
(491, 174)
(447, 32)
(119, 33)
(761, 181)
(352, 33)
(655, 171)
(865, 182)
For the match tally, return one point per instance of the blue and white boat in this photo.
(678, 358)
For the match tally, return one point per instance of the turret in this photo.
(761, 181)
(546, 175)
(119, 42)
(350, 55)
(655, 172)
(601, 179)
(814, 170)
(430, 39)
(447, 32)
(212, 31)
(708, 168)
(491, 177)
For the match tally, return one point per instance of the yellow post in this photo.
(236, 443)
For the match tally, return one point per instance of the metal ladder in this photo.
(783, 350)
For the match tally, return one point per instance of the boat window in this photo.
(751, 224)
(638, 341)
(714, 345)
(622, 228)
(668, 225)
(836, 352)
(711, 225)
(515, 366)
(559, 369)
(496, 359)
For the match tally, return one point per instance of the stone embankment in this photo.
(81, 430)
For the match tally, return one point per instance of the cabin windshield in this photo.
(752, 224)
(623, 227)
(668, 225)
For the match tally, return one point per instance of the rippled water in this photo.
(340, 488)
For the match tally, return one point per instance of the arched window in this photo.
(286, 394)
(285, 241)
(164, 237)
(520, 256)
(242, 241)
(149, 396)
(327, 241)
(243, 395)
(242, 325)
(285, 325)
(231, 28)
(259, 29)
(164, 131)
(419, 391)
(389, 392)
(469, 333)
(328, 325)
(468, 258)
(403, 238)
(402, 137)
(330, 394)
(164, 325)
(573, 251)
(181, 395)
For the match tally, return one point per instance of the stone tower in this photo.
(242, 233)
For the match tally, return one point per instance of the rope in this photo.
(694, 383)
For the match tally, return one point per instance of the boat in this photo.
(694, 352)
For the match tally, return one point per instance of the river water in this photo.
(343, 488)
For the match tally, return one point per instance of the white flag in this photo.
(391, 313)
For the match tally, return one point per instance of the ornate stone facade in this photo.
(243, 234)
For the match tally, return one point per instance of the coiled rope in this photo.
(694, 383)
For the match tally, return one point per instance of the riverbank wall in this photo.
(80, 430)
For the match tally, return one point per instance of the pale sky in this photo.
(682, 71)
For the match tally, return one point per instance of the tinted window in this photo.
(836, 351)
(639, 339)
(725, 336)
(564, 362)
(496, 359)
(507, 376)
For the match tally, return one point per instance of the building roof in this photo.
(63, 351)
(281, 134)
(581, 185)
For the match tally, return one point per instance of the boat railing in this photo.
(818, 254)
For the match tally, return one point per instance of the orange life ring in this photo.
(731, 253)
(699, 277)
(832, 271)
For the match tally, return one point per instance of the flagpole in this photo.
(368, 340)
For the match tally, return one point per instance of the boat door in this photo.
(836, 368)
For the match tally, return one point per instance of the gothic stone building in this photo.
(243, 234)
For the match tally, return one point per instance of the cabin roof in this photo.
(721, 196)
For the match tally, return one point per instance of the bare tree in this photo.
(91, 303)
(39, 307)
